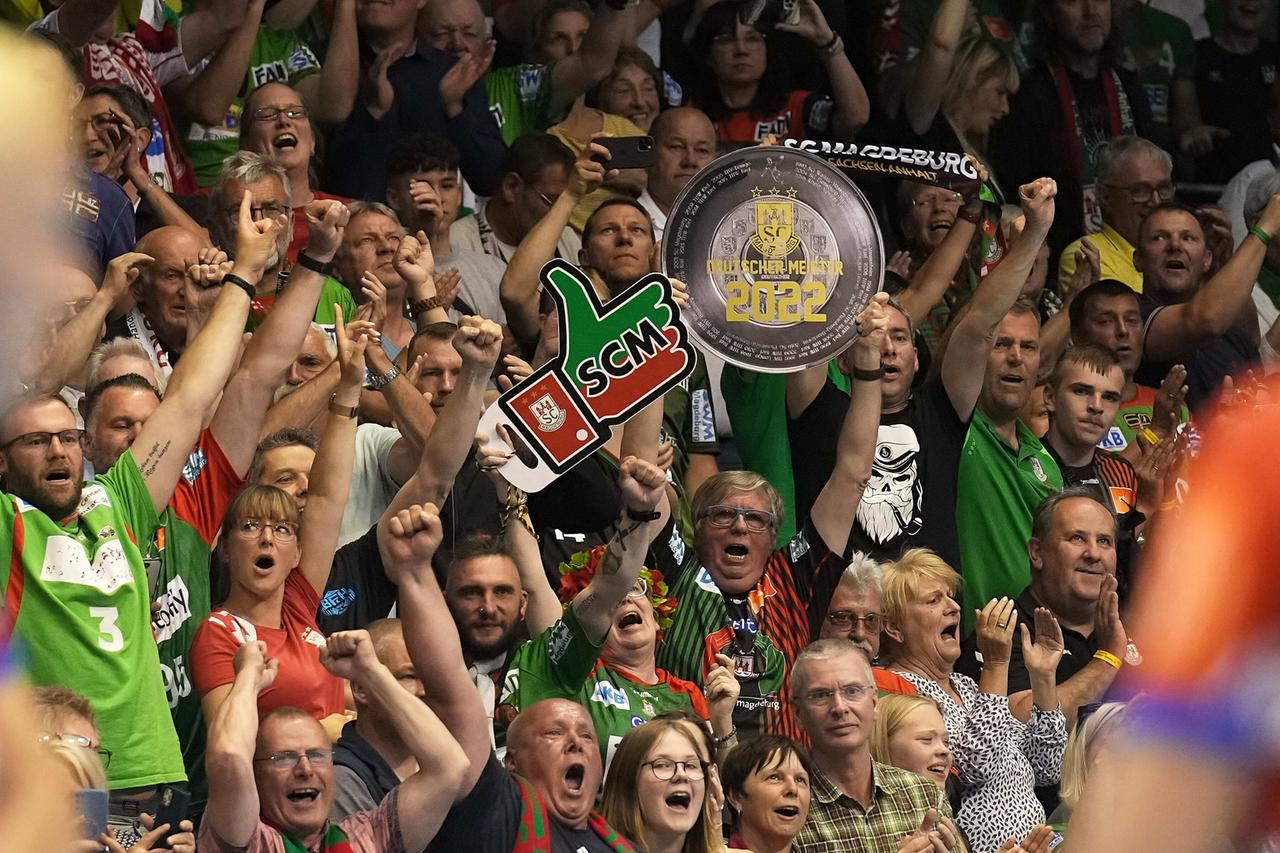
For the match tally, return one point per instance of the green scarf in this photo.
(535, 828)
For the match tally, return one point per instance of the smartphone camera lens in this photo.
(646, 144)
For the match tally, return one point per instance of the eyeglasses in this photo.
(1144, 193)
(845, 619)
(266, 211)
(825, 698)
(42, 440)
(639, 589)
(938, 198)
(757, 520)
(288, 759)
(252, 527)
(84, 743)
(270, 113)
(664, 769)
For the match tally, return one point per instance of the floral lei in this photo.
(577, 573)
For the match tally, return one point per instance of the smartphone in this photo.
(628, 152)
(92, 804)
(172, 810)
(765, 15)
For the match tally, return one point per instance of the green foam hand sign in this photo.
(614, 359)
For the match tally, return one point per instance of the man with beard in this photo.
(78, 593)
(272, 781)
(552, 744)
(1207, 323)
(910, 499)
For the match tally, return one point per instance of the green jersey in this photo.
(563, 663)
(1158, 47)
(277, 56)
(997, 495)
(177, 562)
(77, 596)
(757, 408)
(520, 99)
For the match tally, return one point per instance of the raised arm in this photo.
(543, 608)
(169, 434)
(479, 342)
(426, 796)
(73, 343)
(834, 509)
(203, 30)
(77, 20)
(331, 95)
(408, 540)
(210, 94)
(935, 275)
(643, 486)
(592, 62)
(964, 362)
(331, 472)
(853, 107)
(1178, 331)
(518, 289)
(238, 421)
(232, 813)
(928, 73)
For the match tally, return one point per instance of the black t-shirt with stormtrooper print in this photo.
(911, 499)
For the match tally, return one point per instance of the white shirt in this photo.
(655, 213)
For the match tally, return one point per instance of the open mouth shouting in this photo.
(58, 476)
(573, 778)
(630, 619)
(264, 563)
(284, 142)
(950, 632)
(787, 812)
(303, 795)
(680, 801)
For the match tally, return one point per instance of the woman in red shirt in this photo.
(743, 98)
(278, 563)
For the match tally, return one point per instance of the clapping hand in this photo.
(353, 338)
(1043, 655)
(996, 622)
(326, 220)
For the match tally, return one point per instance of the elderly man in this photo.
(268, 181)
(856, 613)
(857, 802)
(551, 744)
(271, 782)
(1134, 175)
(1073, 564)
(742, 598)
(685, 141)
(96, 632)
(1206, 322)
(528, 97)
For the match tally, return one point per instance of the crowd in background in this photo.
(939, 594)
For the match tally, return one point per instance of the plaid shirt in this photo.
(838, 822)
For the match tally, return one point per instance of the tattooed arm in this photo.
(643, 488)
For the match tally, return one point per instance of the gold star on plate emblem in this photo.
(756, 192)
(774, 191)
(791, 192)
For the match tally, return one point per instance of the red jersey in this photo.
(802, 115)
(299, 241)
(302, 681)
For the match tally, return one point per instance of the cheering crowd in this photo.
(270, 590)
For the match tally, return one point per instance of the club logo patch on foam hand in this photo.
(614, 359)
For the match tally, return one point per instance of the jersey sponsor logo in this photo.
(748, 624)
(243, 630)
(315, 638)
(799, 546)
(820, 113)
(704, 580)
(779, 126)
(637, 720)
(196, 463)
(558, 642)
(498, 116)
(92, 497)
(606, 694)
(337, 601)
(1038, 470)
(704, 421)
(1113, 440)
(530, 81)
(65, 561)
(756, 704)
(83, 204)
(173, 609)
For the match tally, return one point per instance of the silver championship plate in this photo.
(780, 252)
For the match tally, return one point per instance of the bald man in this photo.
(161, 292)
(685, 141)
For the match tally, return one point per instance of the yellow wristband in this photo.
(1108, 658)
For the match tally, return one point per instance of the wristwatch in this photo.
(340, 410)
(308, 262)
(382, 380)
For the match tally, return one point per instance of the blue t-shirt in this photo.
(101, 218)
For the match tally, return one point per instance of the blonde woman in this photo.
(1096, 725)
(656, 790)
